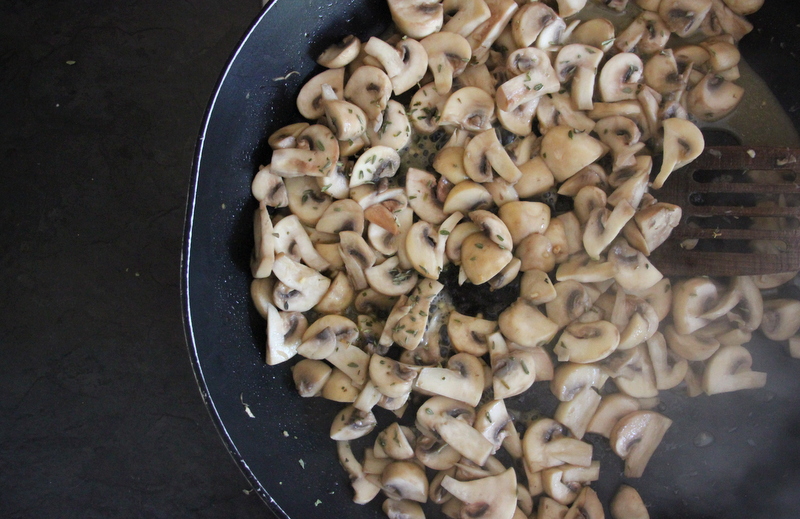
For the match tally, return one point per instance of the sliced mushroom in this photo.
(300, 287)
(350, 424)
(622, 135)
(597, 32)
(485, 154)
(633, 271)
(729, 370)
(485, 34)
(448, 55)
(669, 367)
(470, 334)
(339, 297)
(529, 21)
(557, 109)
(577, 413)
(549, 508)
(636, 437)
(466, 196)
(619, 77)
(292, 239)
(426, 109)
(405, 64)
(405, 480)
(525, 325)
(628, 504)
(690, 300)
(633, 372)
(395, 442)
(421, 249)
(489, 497)
(603, 227)
(579, 63)
(781, 319)
(340, 388)
(468, 108)
(536, 178)
(365, 490)
(452, 421)
(683, 142)
(461, 380)
(587, 200)
(394, 130)
(580, 267)
(284, 334)
(545, 445)
(417, 18)
(389, 279)
(345, 119)
(482, 258)
(528, 86)
(566, 151)
(316, 155)
(286, 137)
(713, 98)
(369, 88)
(513, 372)
(420, 190)
(491, 420)
(570, 378)
(693, 346)
(571, 301)
(585, 343)
(263, 256)
(647, 34)
(683, 17)
(586, 506)
(269, 188)
(340, 53)
(436, 455)
(357, 256)
(392, 378)
(309, 100)
(536, 287)
(611, 409)
(749, 311)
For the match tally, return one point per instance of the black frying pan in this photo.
(750, 470)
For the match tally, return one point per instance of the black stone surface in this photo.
(100, 105)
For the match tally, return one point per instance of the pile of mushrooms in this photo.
(527, 102)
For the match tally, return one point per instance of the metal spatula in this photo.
(718, 197)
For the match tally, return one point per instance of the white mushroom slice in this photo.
(630, 182)
(482, 258)
(744, 7)
(417, 18)
(338, 298)
(491, 420)
(389, 279)
(519, 121)
(628, 504)
(493, 227)
(452, 421)
(781, 319)
(571, 301)
(342, 215)
(636, 437)
(597, 32)
(425, 110)
(410, 328)
(485, 34)
(465, 16)
(729, 370)
(535, 252)
(690, 299)
(421, 194)
(402, 509)
(670, 368)
(529, 21)
(448, 55)
(661, 72)
(492, 496)
(405, 480)
(263, 256)
(579, 63)
(421, 249)
(345, 119)
(449, 162)
(571, 378)
(468, 108)
(405, 65)
(749, 311)
(549, 508)
(436, 455)
(713, 98)
(470, 334)
(340, 53)
(683, 17)
(633, 271)
(622, 135)
(567, 8)
(553, 34)
(536, 287)
(392, 378)
(545, 445)
(723, 55)
(485, 154)
(284, 332)
(585, 343)
(394, 442)
(374, 164)
(587, 200)
(528, 86)
(632, 371)
(292, 239)
(340, 388)
(619, 77)
(394, 130)
(365, 490)
(612, 407)
(351, 360)
(525, 325)
(462, 379)
(513, 372)
(578, 412)
(580, 267)
(286, 137)
(502, 191)
(566, 151)
(536, 178)
(524, 218)
(721, 20)
(300, 287)
(465, 196)
(269, 188)
(655, 224)
(647, 34)
(683, 142)
(369, 88)
(692, 347)
(557, 109)
(629, 108)
(316, 155)
(310, 376)
(603, 226)
(636, 320)
(587, 506)
(261, 294)
(309, 100)
(351, 424)
(357, 256)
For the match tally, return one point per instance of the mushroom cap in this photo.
(482, 258)
(566, 151)
(525, 325)
(781, 318)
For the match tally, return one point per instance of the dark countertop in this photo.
(100, 106)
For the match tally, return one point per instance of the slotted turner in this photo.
(711, 201)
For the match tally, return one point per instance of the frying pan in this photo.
(751, 468)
